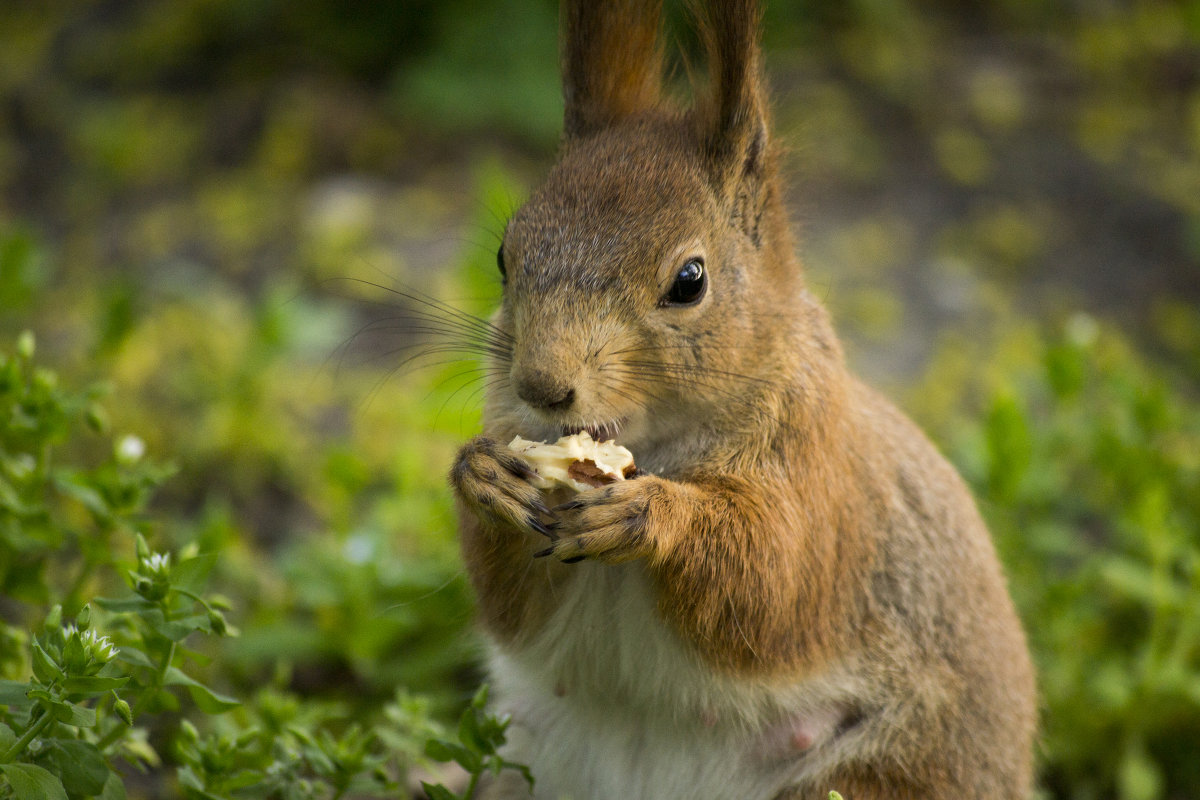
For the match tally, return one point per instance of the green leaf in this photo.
(31, 782)
(74, 715)
(13, 694)
(526, 773)
(438, 792)
(468, 732)
(1010, 445)
(11, 501)
(1139, 777)
(189, 779)
(53, 617)
(192, 573)
(134, 656)
(180, 629)
(7, 738)
(74, 658)
(124, 604)
(209, 701)
(467, 759)
(79, 764)
(79, 488)
(1137, 581)
(491, 729)
(92, 685)
(114, 789)
(141, 547)
(44, 667)
(193, 787)
(438, 750)
(242, 779)
(26, 345)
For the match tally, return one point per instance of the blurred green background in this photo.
(205, 203)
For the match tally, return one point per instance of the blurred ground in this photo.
(1047, 151)
(936, 152)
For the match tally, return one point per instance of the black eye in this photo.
(690, 283)
(500, 264)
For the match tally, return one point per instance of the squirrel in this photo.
(795, 593)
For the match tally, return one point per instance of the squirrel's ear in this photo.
(733, 116)
(611, 61)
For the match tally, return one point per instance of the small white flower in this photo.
(157, 564)
(105, 649)
(22, 465)
(130, 449)
(100, 648)
(358, 549)
(1082, 329)
(97, 649)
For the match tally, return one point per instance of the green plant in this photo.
(61, 524)
(80, 699)
(1084, 455)
(480, 734)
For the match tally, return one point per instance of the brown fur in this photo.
(611, 62)
(789, 518)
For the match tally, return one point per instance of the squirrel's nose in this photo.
(544, 390)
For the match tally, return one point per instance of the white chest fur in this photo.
(608, 703)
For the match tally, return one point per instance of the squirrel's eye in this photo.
(689, 284)
(500, 263)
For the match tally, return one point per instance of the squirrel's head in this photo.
(649, 279)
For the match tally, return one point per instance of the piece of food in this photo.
(576, 461)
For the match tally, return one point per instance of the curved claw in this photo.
(495, 483)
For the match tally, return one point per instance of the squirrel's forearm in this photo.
(754, 589)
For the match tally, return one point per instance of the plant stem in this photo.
(145, 697)
(30, 734)
(471, 786)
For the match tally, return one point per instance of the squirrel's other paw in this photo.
(612, 524)
(495, 483)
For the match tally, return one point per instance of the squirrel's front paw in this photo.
(612, 524)
(494, 482)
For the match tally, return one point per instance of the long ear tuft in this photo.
(612, 61)
(733, 117)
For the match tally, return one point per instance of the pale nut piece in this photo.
(577, 461)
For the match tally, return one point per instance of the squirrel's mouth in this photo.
(601, 432)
